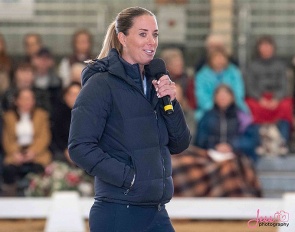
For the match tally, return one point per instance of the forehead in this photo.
(146, 21)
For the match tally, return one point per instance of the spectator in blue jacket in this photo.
(120, 133)
(218, 71)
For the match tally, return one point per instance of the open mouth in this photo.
(149, 52)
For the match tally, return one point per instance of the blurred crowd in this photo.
(234, 117)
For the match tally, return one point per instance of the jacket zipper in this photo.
(156, 116)
(163, 165)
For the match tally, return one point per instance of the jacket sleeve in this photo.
(42, 134)
(201, 138)
(9, 137)
(281, 89)
(89, 117)
(203, 90)
(179, 134)
(252, 86)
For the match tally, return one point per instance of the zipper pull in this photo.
(156, 115)
(126, 192)
(159, 207)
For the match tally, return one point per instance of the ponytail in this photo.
(110, 41)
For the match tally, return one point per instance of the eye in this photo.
(142, 34)
(156, 35)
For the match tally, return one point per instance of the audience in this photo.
(218, 71)
(45, 77)
(227, 137)
(61, 120)
(26, 138)
(81, 46)
(266, 85)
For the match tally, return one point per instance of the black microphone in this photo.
(158, 69)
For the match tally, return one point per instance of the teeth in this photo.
(149, 51)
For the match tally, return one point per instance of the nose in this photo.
(151, 40)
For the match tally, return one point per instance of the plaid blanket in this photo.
(195, 174)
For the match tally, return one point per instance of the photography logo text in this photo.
(279, 219)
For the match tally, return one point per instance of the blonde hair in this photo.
(122, 23)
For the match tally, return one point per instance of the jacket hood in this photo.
(95, 66)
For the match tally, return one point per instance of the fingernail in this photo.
(158, 95)
(156, 89)
(158, 82)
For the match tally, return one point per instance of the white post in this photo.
(65, 214)
(289, 208)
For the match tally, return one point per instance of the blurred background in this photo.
(43, 46)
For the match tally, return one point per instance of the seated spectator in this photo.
(225, 128)
(82, 46)
(218, 71)
(216, 166)
(5, 60)
(26, 137)
(45, 77)
(174, 60)
(24, 78)
(213, 42)
(266, 85)
(32, 44)
(61, 120)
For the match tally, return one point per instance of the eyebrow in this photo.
(146, 29)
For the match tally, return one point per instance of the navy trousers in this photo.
(113, 217)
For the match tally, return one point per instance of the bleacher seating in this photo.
(277, 175)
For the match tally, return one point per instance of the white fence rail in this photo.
(65, 210)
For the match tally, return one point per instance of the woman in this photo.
(61, 121)
(222, 127)
(216, 166)
(267, 95)
(26, 137)
(119, 132)
(217, 71)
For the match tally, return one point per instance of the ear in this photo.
(122, 38)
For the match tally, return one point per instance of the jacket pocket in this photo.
(133, 178)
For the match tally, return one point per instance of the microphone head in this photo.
(157, 68)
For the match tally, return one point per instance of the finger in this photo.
(164, 80)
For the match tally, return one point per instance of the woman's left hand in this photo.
(164, 86)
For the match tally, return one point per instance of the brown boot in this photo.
(9, 190)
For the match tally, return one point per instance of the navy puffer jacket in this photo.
(117, 133)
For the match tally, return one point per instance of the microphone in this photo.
(158, 69)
